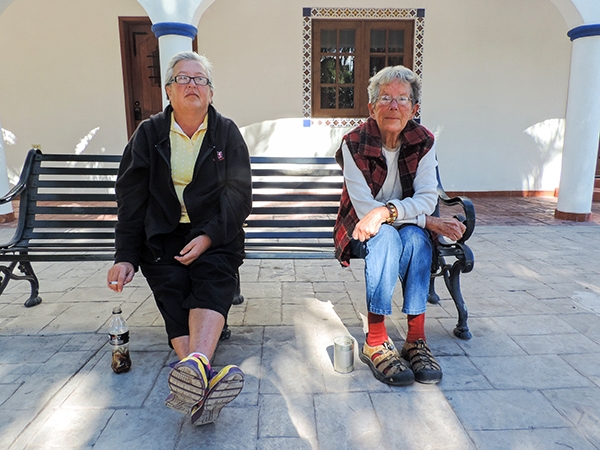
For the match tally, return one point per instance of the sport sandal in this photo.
(425, 367)
(386, 364)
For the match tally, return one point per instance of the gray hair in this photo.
(394, 73)
(189, 56)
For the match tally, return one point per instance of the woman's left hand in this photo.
(451, 228)
(192, 251)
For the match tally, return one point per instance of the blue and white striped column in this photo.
(174, 26)
(582, 129)
(173, 37)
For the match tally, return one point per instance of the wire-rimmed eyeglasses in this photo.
(388, 99)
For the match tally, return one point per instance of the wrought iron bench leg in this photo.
(452, 279)
(238, 298)
(28, 274)
(433, 297)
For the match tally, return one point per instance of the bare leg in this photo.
(181, 345)
(205, 329)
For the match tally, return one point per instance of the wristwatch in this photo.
(393, 213)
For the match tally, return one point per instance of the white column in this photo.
(6, 210)
(582, 129)
(173, 37)
(174, 24)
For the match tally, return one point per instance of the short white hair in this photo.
(189, 56)
(390, 74)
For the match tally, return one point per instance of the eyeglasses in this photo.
(388, 99)
(184, 79)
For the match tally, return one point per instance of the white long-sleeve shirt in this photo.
(411, 209)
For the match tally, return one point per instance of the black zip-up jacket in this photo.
(218, 199)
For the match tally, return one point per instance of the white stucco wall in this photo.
(495, 81)
(61, 80)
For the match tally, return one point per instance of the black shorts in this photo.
(210, 282)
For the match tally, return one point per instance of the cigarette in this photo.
(113, 282)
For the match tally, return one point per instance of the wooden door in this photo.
(141, 70)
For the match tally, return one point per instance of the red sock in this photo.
(416, 328)
(377, 333)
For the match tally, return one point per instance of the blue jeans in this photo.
(392, 253)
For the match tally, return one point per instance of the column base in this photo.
(573, 217)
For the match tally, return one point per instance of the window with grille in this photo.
(346, 53)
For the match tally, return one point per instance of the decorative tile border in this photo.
(418, 14)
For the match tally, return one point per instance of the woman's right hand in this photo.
(119, 275)
(369, 225)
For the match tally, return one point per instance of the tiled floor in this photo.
(529, 378)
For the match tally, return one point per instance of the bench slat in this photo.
(293, 197)
(83, 157)
(77, 210)
(284, 172)
(78, 170)
(299, 185)
(292, 210)
(73, 184)
(83, 224)
(71, 197)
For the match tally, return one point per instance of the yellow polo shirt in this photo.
(184, 152)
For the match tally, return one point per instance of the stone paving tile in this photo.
(138, 428)
(488, 339)
(505, 410)
(530, 324)
(559, 344)
(101, 388)
(285, 444)
(277, 270)
(348, 420)
(12, 423)
(35, 321)
(288, 365)
(426, 410)
(67, 428)
(262, 311)
(262, 290)
(459, 373)
(297, 422)
(581, 407)
(529, 372)
(219, 435)
(531, 439)
(36, 391)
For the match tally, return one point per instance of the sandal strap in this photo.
(420, 357)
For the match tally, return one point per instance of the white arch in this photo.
(182, 11)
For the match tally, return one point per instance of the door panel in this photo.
(141, 70)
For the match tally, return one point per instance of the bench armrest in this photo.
(22, 183)
(468, 209)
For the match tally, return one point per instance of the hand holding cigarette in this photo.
(119, 275)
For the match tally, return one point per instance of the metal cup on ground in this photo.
(343, 354)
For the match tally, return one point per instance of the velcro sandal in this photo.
(386, 364)
(423, 364)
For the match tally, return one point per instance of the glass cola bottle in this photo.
(118, 337)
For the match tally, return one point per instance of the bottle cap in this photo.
(117, 310)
